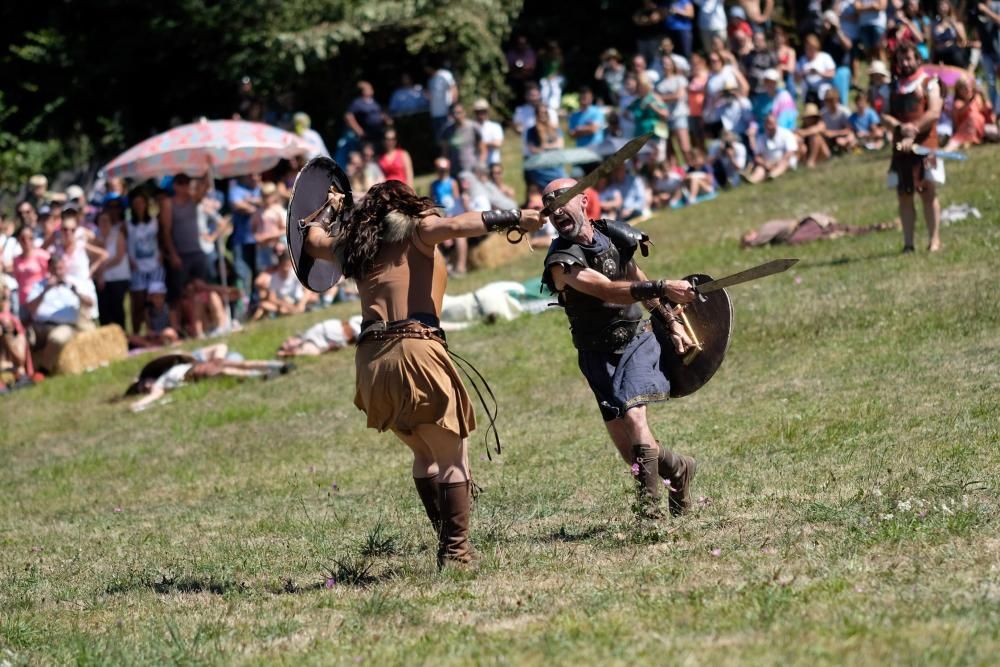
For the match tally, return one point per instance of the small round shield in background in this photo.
(309, 194)
(712, 322)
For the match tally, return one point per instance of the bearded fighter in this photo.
(591, 267)
(915, 105)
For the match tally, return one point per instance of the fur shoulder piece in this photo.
(397, 226)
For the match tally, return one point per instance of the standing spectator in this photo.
(365, 116)
(587, 124)
(395, 162)
(244, 200)
(640, 69)
(667, 50)
(521, 63)
(626, 126)
(786, 60)
(58, 308)
(550, 86)
(611, 73)
(268, 226)
(711, 21)
(948, 37)
(649, 27)
(679, 22)
(38, 195)
(986, 18)
(145, 260)
(212, 227)
(696, 99)
(672, 89)
(113, 275)
(525, 114)
(648, 112)
(76, 198)
(27, 215)
(29, 268)
(83, 257)
(758, 13)
(759, 60)
(179, 232)
(835, 42)
(871, 26)
(490, 131)
(815, 70)
(9, 247)
(777, 152)
(408, 98)
(739, 31)
(442, 93)
(722, 78)
(540, 138)
(464, 143)
(910, 26)
(302, 126)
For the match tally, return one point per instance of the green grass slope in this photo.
(848, 482)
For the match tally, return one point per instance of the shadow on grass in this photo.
(567, 536)
(844, 260)
(166, 584)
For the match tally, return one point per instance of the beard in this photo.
(573, 232)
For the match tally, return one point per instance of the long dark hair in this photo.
(362, 231)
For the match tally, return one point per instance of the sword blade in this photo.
(944, 155)
(603, 169)
(760, 271)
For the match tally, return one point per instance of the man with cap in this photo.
(591, 267)
(915, 104)
(490, 131)
(38, 186)
(878, 87)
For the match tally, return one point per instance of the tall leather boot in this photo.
(679, 470)
(427, 489)
(454, 548)
(644, 467)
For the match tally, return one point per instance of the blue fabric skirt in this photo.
(627, 379)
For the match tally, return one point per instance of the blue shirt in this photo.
(675, 22)
(242, 232)
(588, 116)
(444, 196)
(864, 122)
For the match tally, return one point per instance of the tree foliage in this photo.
(116, 71)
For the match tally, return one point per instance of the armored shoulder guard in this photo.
(625, 236)
(561, 252)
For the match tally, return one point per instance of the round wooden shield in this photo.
(309, 195)
(710, 320)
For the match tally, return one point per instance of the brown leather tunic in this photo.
(409, 277)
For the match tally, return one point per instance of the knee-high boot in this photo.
(679, 470)
(454, 548)
(427, 489)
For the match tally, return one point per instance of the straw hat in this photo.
(810, 111)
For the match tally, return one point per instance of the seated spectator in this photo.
(29, 268)
(395, 162)
(699, 181)
(59, 309)
(666, 183)
(481, 187)
(155, 329)
(775, 101)
(878, 87)
(866, 124)
(631, 192)
(586, 125)
(815, 70)
(777, 152)
(326, 336)
(735, 111)
(208, 362)
(729, 158)
(969, 116)
(408, 98)
(281, 293)
(812, 142)
(15, 355)
(490, 131)
(205, 313)
(837, 123)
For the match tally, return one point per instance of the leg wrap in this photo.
(644, 467)
(679, 471)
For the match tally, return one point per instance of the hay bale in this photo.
(494, 251)
(90, 349)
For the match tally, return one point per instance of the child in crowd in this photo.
(156, 317)
(865, 123)
(445, 193)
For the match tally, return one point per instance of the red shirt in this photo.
(28, 271)
(393, 166)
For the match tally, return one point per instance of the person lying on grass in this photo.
(171, 371)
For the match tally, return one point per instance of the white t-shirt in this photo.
(774, 148)
(144, 245)
(121, 270)
(711, 14)
(439, 88)
(9, 249)
(173, 377)
(713, 92)
(287, 288)
(60, 304)
(871, 17)
(491, 132)
(821, 63)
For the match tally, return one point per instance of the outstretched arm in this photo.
(433, 229)
(622, 292)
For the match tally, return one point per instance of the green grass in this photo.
(849, 474)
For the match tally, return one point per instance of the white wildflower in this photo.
(903, 505)
(887, 517)
(877, 492)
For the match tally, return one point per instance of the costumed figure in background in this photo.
(591, 267)
(915, 104)
(406, 380)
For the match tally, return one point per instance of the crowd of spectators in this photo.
(732, 93)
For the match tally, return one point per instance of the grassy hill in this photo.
(848, 483)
